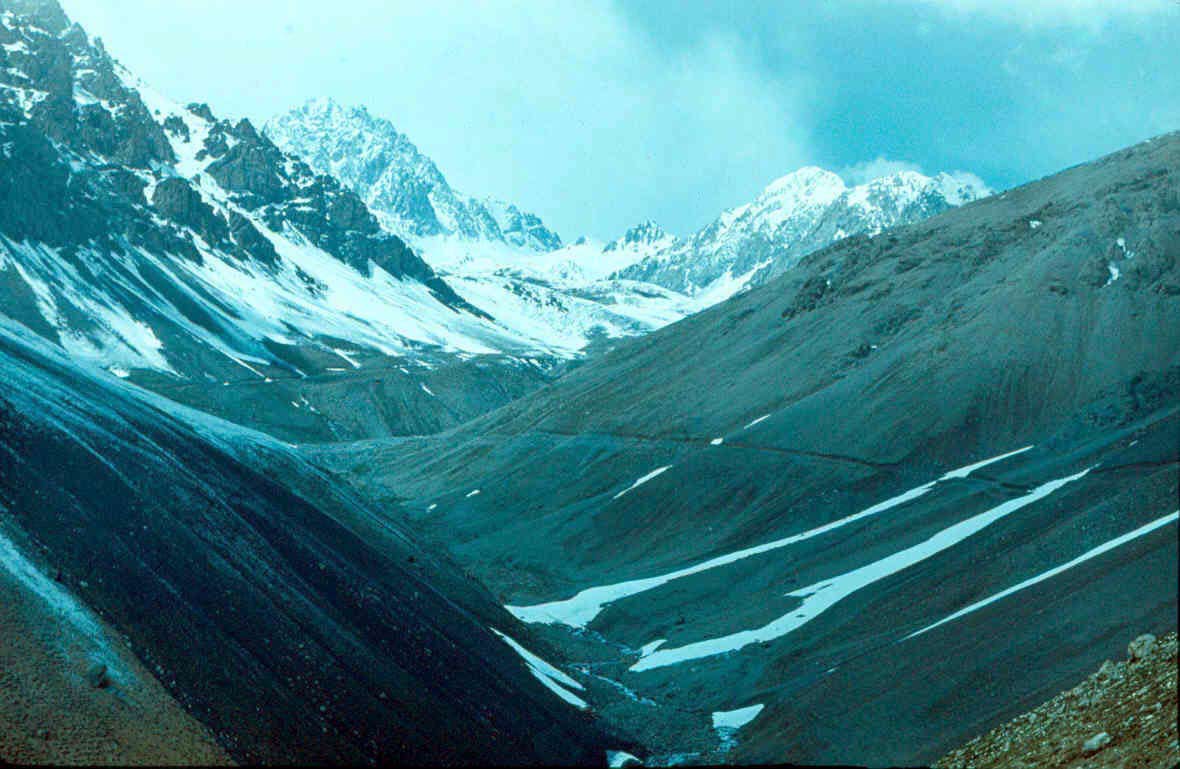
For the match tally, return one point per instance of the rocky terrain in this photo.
(293, 621)
(1122, 716)
(796, 214)
(396, 180)
(818, 496)
(585, 291)
(72, 690)
(305, 469)
(185, 589)
(189, 253)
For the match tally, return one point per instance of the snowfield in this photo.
(582, 608)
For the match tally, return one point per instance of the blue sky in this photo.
(599, 115)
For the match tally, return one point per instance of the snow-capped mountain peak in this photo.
(808, 184)
(794, 215)
(646, 235)
(403, 186)
(961, 187)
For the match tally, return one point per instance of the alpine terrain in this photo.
(177, 587)
(569, 296)
(913, 487)
(308, 458)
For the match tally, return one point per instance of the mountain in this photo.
(643, 240)
(571, 296)
(493, 254)
(909, 489)
(284, 479)
(178, 587)
(402, 185)
(192, 255)
(181, 580)
(796, 214)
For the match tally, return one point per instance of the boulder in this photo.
(1096, 743)
(1141, 647)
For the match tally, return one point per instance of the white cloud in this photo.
(968, 178)
(876, 168)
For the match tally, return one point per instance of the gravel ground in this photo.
(57, 708)
(1122, 717)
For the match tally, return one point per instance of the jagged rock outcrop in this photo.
(396, 180)
(1121, 716)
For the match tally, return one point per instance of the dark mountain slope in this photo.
(1045, 316)
(288, 617)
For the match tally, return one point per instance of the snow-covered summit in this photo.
(646, 235)
(403, 186)
(479, 243)
(809, 185)
(794, 215)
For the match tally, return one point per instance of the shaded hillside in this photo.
(759, 504)
(71, 692)
(292, 620)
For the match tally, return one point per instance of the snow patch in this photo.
(555, 680)
(963, 472)
(650, 647)
(620, 758)
(817, 598)
(756, 421)
(347, 357)
(582, 608)
(642, 480)
(1092, 553)
(736, 719)
(727, 723)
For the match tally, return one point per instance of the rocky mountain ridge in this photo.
(793, 216)
(589, 290)
(399, 183)
(194, 256)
